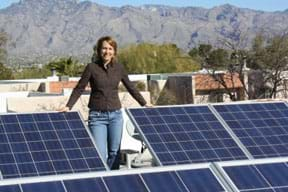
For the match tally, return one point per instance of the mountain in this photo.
(40, 28)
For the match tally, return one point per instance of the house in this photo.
(195, 88)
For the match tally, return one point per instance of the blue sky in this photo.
(265, 5)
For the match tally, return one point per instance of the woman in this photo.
(105, 121)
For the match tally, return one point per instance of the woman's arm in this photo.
(131, 88)
(78, 90)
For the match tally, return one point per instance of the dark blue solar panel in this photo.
(128, 183)
(44, 144)
(167, 181)
(43, 187)
(186, 134)
(275, 174)
(85, 185)
(10, 188)
(184, 180)
(200, 180)
(261, 177)
(197, 179)
(261, 127)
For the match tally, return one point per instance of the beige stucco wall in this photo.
(9, 87)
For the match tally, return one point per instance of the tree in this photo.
(5, 73)
(215, 59)
(66, 66)
(201, 54)
(3, 52)
(32, 72)
(270, 57)
(150, 58)
(267, 62)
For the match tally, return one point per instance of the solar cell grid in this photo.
(261, 127)
(45, 143)
(260, 177)
(190, 179)
(196, 179)
(185, 134)
(43, 187)
(85, 185)
(10, 188)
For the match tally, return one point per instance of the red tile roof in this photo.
(207, 82)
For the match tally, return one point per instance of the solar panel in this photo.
(184, 134)
(193, 180)
(170, 180)
(260, 177)
(10, 188)
(55, 186)
(85, 185)
(46, 144)
(248, 175)
(261, 127)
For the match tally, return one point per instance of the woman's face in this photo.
(107, 52)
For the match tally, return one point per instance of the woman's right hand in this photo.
(148, 105)
(63, 109)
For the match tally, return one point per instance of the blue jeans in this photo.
(106, 128)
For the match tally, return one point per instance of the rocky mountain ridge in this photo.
(39, 28)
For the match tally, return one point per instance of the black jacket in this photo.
(104, 87)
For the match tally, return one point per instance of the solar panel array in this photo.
(241, 176)
(209, 133)
(40, 144)
(45, 144)
(261, 127)
(178, 180)
(185, 134)
(261, 177)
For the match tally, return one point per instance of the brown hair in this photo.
(97, 48)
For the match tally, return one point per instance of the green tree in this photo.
(66, 66)
(32, 72)
(201, 54)
(151, 58)
(230, 60)
(209, 57)
(270, 57)
(3, 52)
(218, 59)
(5, 73)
